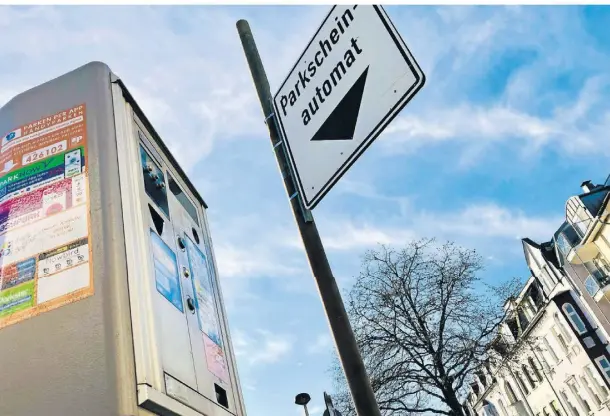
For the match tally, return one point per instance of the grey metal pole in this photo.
(349, 354)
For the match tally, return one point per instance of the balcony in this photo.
(597, 283)
(574, 242)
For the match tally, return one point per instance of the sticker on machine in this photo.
(41, 203)
(63, 270)
(166, 271)
(215, 358)
(17, 286)
(42, 173)
(45, 259)
(48, 233)
(202, 286)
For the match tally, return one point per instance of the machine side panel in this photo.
(77, 358)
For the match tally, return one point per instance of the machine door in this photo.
(202, 314)
(172, 293)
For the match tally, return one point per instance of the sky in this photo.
(510, 122)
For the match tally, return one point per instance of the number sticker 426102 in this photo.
(50, 150)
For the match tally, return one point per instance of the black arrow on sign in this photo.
(341, 123)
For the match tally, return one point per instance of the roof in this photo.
(546, 249)
(596, 200)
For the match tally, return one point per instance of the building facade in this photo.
(583, 247)
(559, 325)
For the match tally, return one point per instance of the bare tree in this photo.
(424, 322)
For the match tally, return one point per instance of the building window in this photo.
(570, 404)
(575, 320)
(590, 391)
(510, 393)
(529, 308)
(550, 349)
(560, 339)
(567, 238)
(603, 363)
(591, 286)
(597, 381)
(598, 270)
(589, 343)
(560, 321)
(502, 407)
(528, 376)
(555, 408)
(579, 396)
(522, 383)
(535, 369)
(546, 368)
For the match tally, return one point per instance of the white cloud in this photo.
(490, 221)
(468, 122)
(576, 128)
(470, 225)
(531, 111)
(234, 261)
(261, 347)
(185, 66)
(346, 235)
(322, 344)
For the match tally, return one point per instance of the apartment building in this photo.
(562, 364)
(583, 247)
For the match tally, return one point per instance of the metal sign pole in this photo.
(351, 360)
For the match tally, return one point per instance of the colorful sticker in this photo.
(166, 271)
(17, 273)
(41, 202)
(63, 258)
(16, 299)
(45, 259)
(215, 358)
(204, 295)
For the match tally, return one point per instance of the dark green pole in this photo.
(349, 354)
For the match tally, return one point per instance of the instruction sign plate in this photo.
(355, 75)
(45, 259)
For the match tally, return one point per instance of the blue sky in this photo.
(512, 119)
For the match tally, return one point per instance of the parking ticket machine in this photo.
(110, 300)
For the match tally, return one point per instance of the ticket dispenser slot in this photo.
(188, 313)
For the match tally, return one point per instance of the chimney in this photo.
(587, 186)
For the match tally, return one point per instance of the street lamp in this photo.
(302, 399)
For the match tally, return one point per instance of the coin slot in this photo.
(190, 304)
(195, 236)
